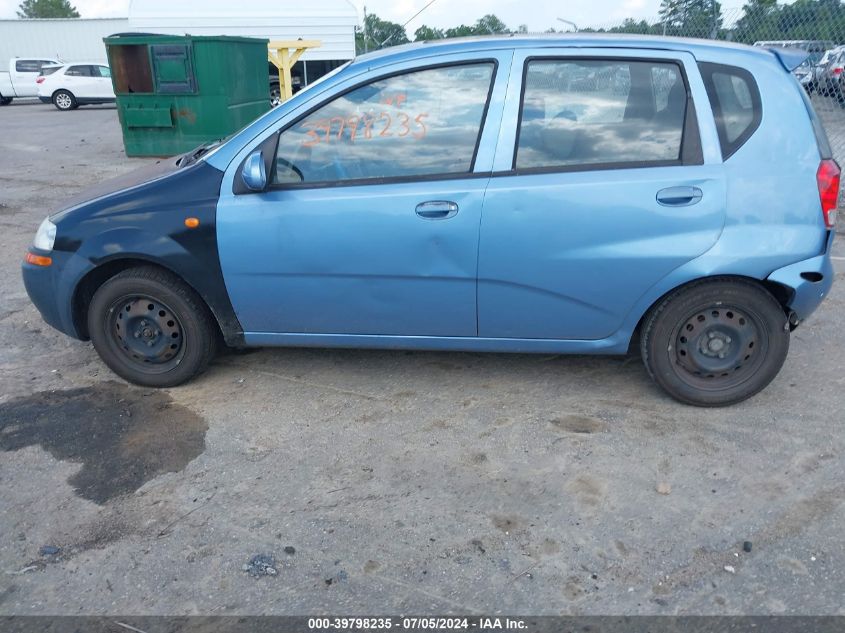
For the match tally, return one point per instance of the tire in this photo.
(64, 101)
(151, 329)
(5, 100)
(275, 95)
(715, 342)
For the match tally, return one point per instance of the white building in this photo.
(330, 21)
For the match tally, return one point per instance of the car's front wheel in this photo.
(715, 342)
(151, 328)
(64, 100)
(5, 100)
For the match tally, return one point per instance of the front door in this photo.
(601, 189)
(370, 224)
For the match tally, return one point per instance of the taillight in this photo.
(837, 70)
(40, 80)
(828, 178)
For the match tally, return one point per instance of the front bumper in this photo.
(49, 291)
(810, 281)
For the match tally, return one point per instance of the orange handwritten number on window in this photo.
(341, 124)
(353, 130)
(326, 126)
(421, 134)
(369, 120)
(313, 137)
(406, 129)
(385, 130)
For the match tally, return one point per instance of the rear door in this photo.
(79, 81)
(607, 177)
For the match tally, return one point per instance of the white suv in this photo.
(68, 86)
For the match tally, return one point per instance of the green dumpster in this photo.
(177, 92)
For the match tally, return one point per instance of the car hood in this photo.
(146, 174)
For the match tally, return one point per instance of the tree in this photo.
(629, 25)
(802, 20)
(377, 33)
(47, 9)
(691, 18)
(427, 33)
(461, 31)
(490, 25)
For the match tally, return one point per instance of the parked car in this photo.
(830, 79)
(806, 76)
(516, 215)
(19, 80)
(814, 48)
(68, 86)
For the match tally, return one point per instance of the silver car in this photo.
(828, 73)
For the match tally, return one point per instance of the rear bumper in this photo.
(810, 281)
(45, 99)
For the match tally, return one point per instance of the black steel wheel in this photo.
(147, 332)
(715, 342)
(150, 328)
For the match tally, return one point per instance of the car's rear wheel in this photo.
(150, 328)
(5, 100)
(715, 342)
(64, 100)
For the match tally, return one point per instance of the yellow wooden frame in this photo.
(283, 55)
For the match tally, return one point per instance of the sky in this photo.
(443, 13)
(538, 15)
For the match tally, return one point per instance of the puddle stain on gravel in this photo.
(122, 436)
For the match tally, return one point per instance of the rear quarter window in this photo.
(735, 99)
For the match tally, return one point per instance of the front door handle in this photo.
(437, 210)
(679, 196)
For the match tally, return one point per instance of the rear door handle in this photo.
(679, 196)
(437, 210)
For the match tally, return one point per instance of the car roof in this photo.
(583, 40)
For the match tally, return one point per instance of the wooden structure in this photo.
(283, 55)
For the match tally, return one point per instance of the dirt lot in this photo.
(398, 482)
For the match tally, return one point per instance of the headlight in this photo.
(45, 236)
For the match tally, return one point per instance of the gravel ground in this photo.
(394, 482)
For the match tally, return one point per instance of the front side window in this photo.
(422, 123)
(589, 113)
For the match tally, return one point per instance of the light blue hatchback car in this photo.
(555, 195)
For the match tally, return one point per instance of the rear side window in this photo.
(78, 71)
(601, 113)
(49, 70)
(736, 104)
(30, 65)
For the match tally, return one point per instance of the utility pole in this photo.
(365, 29)
(714, 34)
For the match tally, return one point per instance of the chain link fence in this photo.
(816, 26)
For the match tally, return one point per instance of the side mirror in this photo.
(254, 173)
